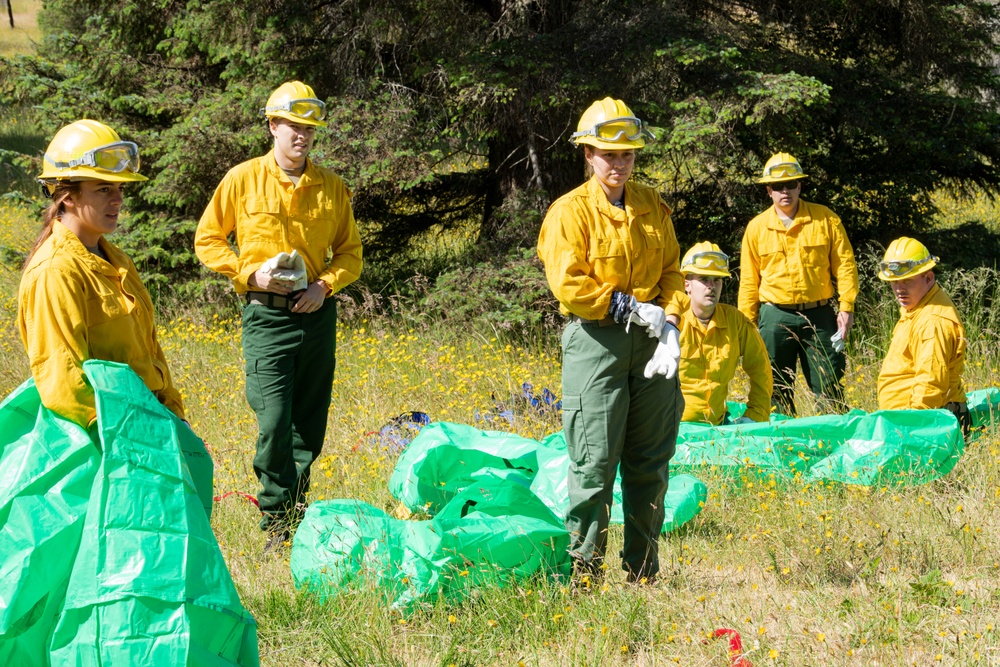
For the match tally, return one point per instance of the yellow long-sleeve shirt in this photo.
(270, 214)
(74, 306)
(591, 249)
(924, 364)
(709, 358)
(796, 265)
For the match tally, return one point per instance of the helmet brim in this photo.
(709, 273)
(767, 180)
(90, 174)
(610, 145)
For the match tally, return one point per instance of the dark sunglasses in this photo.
(787, 185)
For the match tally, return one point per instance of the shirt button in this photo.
(636, 255)
(635, 284)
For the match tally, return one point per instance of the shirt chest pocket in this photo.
(264, 220)
(603, 247)
(314, 223)
(653, 237)
(814, 247)
(103, 308)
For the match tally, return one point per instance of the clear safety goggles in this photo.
(783, 170)
(306, 107)
(900, 268)
(717, 261)
(628, 127)
(117, 157)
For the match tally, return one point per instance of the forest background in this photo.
(450, 121)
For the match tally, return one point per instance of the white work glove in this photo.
(667, 354)
(744, 420)
(647, 315)
(288, 268)
(837, 341)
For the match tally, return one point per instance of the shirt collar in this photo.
(71, 243)
(310, 175)
(634, 205)
(802, 216)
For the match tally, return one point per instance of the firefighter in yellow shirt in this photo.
(610, 258)
(714, 339)
(80, 296)
(794, 255)
(923, 368)
(298, 245)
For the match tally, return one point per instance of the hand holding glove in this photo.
(648, 315)
(667, 354)
(287, 268)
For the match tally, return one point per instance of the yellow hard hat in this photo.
(89, 150)
(611, 125)
(705, 259)
(782, 167)
(905, 258)
(295, 101)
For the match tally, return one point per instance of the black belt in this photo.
(270, 299)
(799, 307)
(606, 322)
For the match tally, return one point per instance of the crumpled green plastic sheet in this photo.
(447, 457)
(107, 556)
(884, 447)
(984, 408)
(495, 531)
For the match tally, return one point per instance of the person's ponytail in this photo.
(54, 211)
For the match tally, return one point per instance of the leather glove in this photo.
(621, 307)
(667, 354)
(288, 268)
(648, 315)
(744, 420)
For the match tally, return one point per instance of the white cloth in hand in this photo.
(667, 354)
(289, 268)
(648, 315)
(837, 341)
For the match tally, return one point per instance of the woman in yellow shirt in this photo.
(610, 258)
(80, 296)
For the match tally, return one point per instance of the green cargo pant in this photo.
(289, 381)
(613, 415)
(790, 337)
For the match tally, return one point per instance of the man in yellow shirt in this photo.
(283, 203)
(793, 254)
(714, 337)
(923, 368)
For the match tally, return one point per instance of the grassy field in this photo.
(807, 573)
(23, 36)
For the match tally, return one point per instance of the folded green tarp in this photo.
(885, 447)
(446, 458)
(495, 531)
(112, 560)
